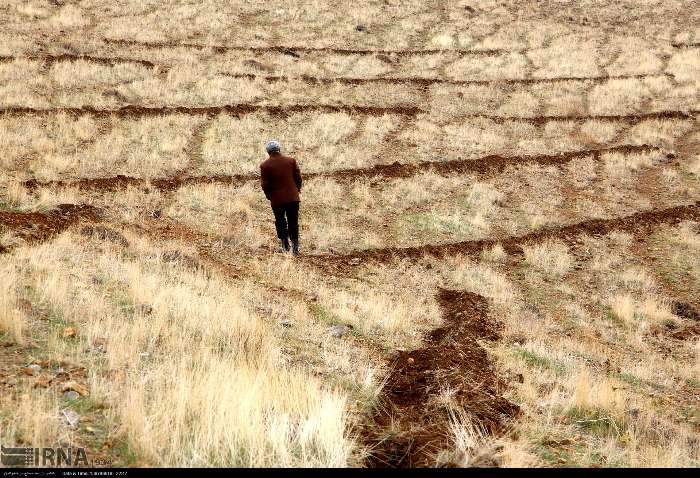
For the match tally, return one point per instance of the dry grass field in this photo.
(500, 232)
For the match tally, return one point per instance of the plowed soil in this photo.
(296, 51)
(412, 426)
(100, 60)
(39, 226)
(135, 111)
(485, 165)
(638, 223)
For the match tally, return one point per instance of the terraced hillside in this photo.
(500, 232)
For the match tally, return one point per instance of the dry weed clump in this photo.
(551, 258)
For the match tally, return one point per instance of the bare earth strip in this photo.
(491, 164)
(296, 50)
(137, 111)
(112, 61)
(408, 430)
(636, 223)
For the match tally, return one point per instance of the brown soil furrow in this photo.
(297, 50)
(420, 81)
(136, 111)
(637, 223)
(39, 226)
(685, 45)
(410, 427)
(485, 165)
(101, 60)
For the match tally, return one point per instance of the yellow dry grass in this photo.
(196, 345)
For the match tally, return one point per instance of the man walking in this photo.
(280, 179)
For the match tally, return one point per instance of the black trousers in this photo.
(287, 221)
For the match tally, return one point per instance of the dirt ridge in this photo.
(411, 428)
(421, 81)
(137, 111)
(296, 50)
(40, 226)
(482, 165)
(102, 60)
(636, 223)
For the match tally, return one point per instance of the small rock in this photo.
(355, 261)
(76, 387)
(156, 214)
(71, 395)
(360, 28)
(32, 369)
(286, 323)
(69, 332)
(339, 331)
(71, 417)
(42, 382)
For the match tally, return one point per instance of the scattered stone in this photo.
(338, 331)
(75, 387)
(69, 332)
(355, 261)
(42, 382)
(32, 369)
(71, 417)
(71, 395)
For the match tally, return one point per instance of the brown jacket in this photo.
(280, 179)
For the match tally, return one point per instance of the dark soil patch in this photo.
(410, 427)
(685, 310)
(39, 226)
(101, 60)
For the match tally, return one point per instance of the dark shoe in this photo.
(295, 248)
(285, 245)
